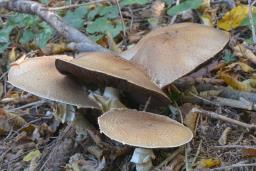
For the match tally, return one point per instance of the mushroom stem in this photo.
(109, 100)
(142, 157)
(110, 92)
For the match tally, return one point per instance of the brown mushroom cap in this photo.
(143, 129)
(107, 70)
(173, 51)
(40, 77)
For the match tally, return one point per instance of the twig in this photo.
(3, 75)
(223, 118)
(197, 152)
(54, 148)
(147, 104)
(68, 32)
(122, 18)
(241, 104)
(230, 167)
(40, 102)
(235, 146)
(174, 17)
(168, 159)
(74, 5)
(230, 3)
(251, 21)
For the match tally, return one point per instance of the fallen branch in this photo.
(68, 32)
(223, 118)
(236, 146)
(239, 165)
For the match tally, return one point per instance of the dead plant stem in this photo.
(223, 118)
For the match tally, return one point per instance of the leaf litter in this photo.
(32, 139)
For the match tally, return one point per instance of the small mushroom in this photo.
(106, 70)
(170, 52)
(144, 130)
(40, 77)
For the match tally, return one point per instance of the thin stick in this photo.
(235, 146)
(122, 18)
(147, 104)
(40, 102)
(73, 5)
(230, 167)
(223, 118)
(197, 152)
(168, 159)
(251, 21)
(174, 17)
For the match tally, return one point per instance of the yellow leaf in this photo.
(233, 18)
(55, 48)
(207, 20)
(12, 55)
(244, 67)
(209, 163)
(229, 80)
(32, 155)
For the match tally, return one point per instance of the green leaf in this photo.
(132, 2)
(43, 37)
(109, 12)
(23, 20)
(99, 25)
(93, 13)
(27, 36)
(186, 5)
(228, 57)
(5, 33)
(103, 25)
(44, 1)
(32, 155)
(4, 38)
(75, 18)
(96, 37)
(246, 21)
(116, 30)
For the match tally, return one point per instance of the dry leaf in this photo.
(63, 112)
(209, 163)
(32, 155)
(249, 153)
(244, 67)
(207, 20)
(176, 164)
(1, 89)
(232, 82)
(190, 118)
(233, 18)
(56, 48)
(224, 136)
(157, 8)
(241, 51)
(12, 55)
(9, 121)
(209, 93)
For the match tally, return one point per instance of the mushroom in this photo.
(143, 130)
(170, 52)
(106, 70)
(40, 77)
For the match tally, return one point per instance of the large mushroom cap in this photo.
(107, 70)
(40, 77)
(173, 51)
(143, 129)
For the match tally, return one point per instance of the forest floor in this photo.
(31, 138)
